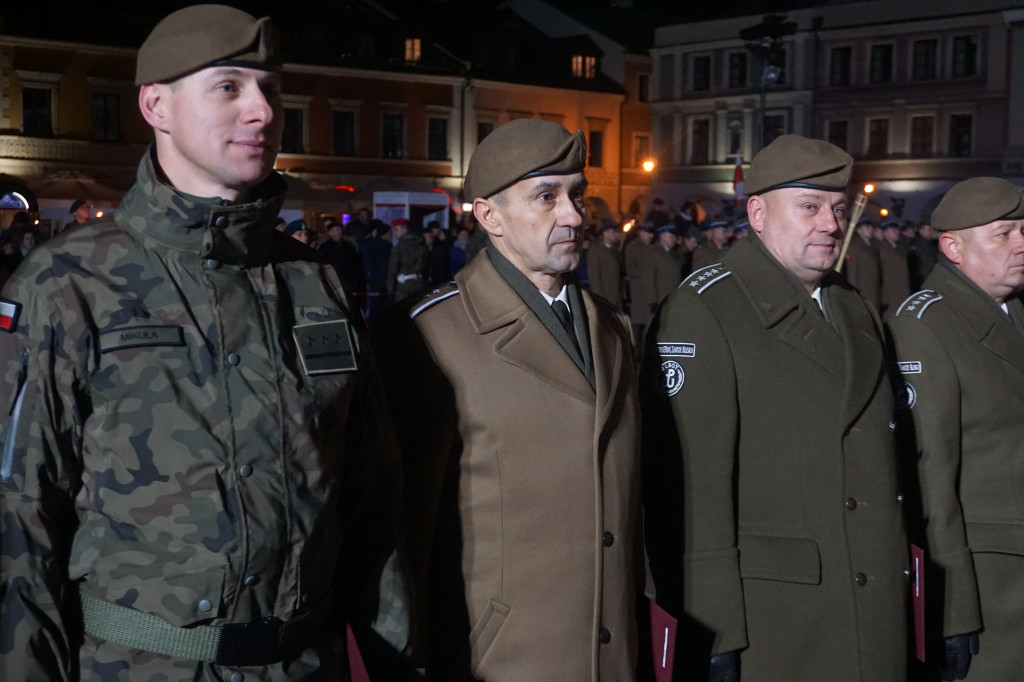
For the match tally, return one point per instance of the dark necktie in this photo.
(563, 315)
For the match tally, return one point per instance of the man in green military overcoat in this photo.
(772, 509)
(960, 351)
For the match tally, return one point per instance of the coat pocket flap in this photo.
(791, 560)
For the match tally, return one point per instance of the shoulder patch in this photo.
(705, 277)
(918, 303)
(9, 311)
(434, 297)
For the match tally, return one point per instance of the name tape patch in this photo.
(140, 336)
(913, 367)
(325, 347)
(677, 350)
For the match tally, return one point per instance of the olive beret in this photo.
(204, 35)
(523, 148)
(797, 161)
(976, 202)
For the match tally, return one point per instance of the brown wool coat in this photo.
(522, 488)
(771, 499)
(864, 271)
(962, 364)
(639, 290)
(604, 271)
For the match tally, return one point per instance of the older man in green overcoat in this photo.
(960, 347)
(773, 514)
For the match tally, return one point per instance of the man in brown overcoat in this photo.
(516, 398)
(960, 350)
(772, 508)
(604, 264)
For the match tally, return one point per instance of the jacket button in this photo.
(245, 471)
(608, 539)
(892, 426)
(212, 263)
(221, 221)
(252, 580)
(604, 636)
(234, 359)
(861, 579)
(205, 605)
(851, 503)
(237, 677)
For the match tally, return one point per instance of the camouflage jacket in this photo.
(192, 418)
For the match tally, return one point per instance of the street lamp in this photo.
(648, 166)
(764, 41)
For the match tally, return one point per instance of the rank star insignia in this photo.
(325, 347)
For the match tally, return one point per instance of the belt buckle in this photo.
(255, 643)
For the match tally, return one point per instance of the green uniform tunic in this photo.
(962, 389)
(771, 502)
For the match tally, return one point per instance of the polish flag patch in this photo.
(9, 311)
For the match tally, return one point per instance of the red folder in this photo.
(663, 641)
(917, 598)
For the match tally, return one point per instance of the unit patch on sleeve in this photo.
(9, 311)
(677, 350)
(325, 347)
(905, 396)
(670, 379)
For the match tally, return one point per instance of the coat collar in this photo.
(848, 346)
(982, 315)
(494, 307)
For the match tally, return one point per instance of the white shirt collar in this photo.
(563, 296)
(816, 295)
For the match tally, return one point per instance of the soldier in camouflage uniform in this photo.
(193, 408)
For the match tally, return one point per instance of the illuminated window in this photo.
(412, 49)
(584, 67)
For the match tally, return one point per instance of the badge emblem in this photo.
(906, 396)
(325, 347)
(9, 311)
(671, 379)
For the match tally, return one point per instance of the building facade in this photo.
(921, 94)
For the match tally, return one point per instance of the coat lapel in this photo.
(992, 327)
(606, 344)
(784, 308)
(862, 348)
(519, 337)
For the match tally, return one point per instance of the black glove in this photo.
(957, 656)
(725, 667)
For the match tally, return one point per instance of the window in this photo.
(839, 133)
(584, 67)
(412, 50)
(641, 149)
(343, 129)
(700, 142)
(392, 137)
(701, 73)
(840, 62)
(922, 136)
(106, 117)
(595, 149)
(483, 129)
(926, 60)
(960, 134)
(437, 138)
(735, 129)
(779, 61)
(878, 138)
(37, 111)
(965, 57)
(666, 75)
(643, 88)
(292, 138)
(881, 63)
(774, 127)
(737, 70)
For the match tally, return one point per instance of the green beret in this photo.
(206, 35)
(523, 148)
(797, 161)
(978, 201)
